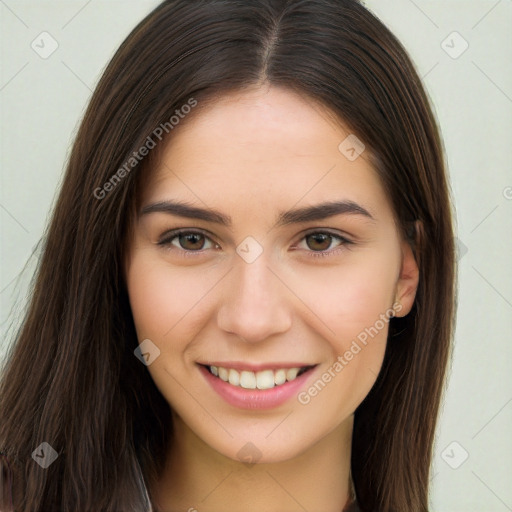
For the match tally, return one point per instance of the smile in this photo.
(253, 387)
(265, 379)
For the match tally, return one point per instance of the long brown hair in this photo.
(71, 378)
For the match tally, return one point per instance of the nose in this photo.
(255, 305)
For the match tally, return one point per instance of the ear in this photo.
(407, 283)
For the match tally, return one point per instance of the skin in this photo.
(252, 155)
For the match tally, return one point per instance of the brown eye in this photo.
(187, 241)
(319, 241)
(323, 244)
(191, 241)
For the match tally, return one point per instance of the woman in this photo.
(246, 296)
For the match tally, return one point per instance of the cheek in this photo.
(160, 297)
(366, 296)
(167, 306)
(354, 301)
(349, 297)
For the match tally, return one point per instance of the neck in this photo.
(198, 478)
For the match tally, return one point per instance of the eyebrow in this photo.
(295, 216)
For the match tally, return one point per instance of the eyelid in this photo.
(168, 236)
(326, 231)
(345, 241)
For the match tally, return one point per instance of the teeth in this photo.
(265, 379)
(280, 377)
(234, 377)
(247, 380)
(223, 374)
(292, 373)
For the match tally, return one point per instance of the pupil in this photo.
(192, 241)
(321, 241)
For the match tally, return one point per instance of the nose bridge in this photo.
(255, 302)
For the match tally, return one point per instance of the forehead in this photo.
(265, 147)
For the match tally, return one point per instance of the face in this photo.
(266, 256)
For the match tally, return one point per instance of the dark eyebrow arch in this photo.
(322, 211)
(297, 216)
(185, 210)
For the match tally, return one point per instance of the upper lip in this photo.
(258, 367)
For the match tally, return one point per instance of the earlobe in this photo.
(407, 282)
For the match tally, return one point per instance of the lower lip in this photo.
(255, 398)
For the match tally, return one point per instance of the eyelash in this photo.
(167, 238)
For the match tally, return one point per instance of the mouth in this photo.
(263, 379)
(256, 386)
